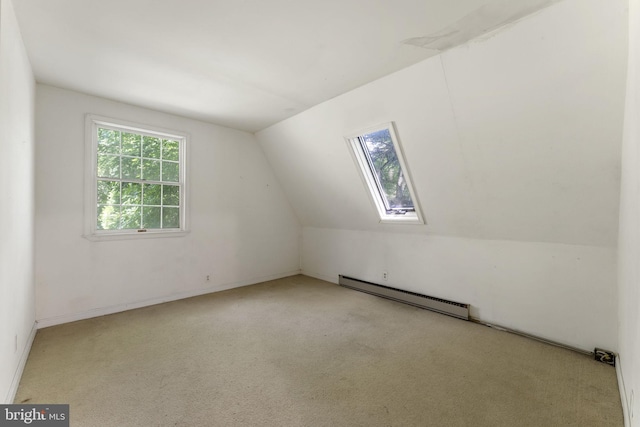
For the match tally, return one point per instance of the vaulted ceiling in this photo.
(245, 64)
(513, 136)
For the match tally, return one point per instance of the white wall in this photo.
(629, 238)
(550, 290)
(513, 142)
(243, 230)
(17, 303)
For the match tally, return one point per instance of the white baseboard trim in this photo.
(324, 277)
(103, 311)
(623, 393)
(11, 395)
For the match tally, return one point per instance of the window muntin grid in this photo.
(138, 180)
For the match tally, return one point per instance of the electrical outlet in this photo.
(208, 277)
(385, 276)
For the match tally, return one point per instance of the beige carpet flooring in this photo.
(303, 352)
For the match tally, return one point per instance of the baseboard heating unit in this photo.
(443, 306)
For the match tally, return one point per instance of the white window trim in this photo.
(369, 180)
(91, 232)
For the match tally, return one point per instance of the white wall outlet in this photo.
(208, 277)
(385, 276)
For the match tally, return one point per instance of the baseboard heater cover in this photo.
(443, 306)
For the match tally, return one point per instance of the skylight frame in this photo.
(364, 164)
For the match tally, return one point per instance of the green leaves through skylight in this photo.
(379, 157)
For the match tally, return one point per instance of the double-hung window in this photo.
(379, 158)
(135, 184)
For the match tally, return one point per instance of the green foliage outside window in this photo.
(138, 180)
(384, 160)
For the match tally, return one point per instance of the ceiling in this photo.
(246, 64)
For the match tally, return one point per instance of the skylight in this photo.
(379, 157)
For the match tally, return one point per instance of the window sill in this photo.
(401, 219)
(101, 237)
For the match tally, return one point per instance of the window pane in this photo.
(170, 150)
(131, 193)
(108, 218)
(108, 166)
(108, 192)
(152, 194)
(171, 195)
(385, 162)
(108, 141)
(131, 217)
(131, 168)
(151, 217)
(138, 179)
(151, 170)
(170, 217)
(131, 144)
(151, 147)
(170, 172)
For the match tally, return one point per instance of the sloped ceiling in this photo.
(515, 135)
(245, 64)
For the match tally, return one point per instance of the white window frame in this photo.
(370, 180)
(91, 231)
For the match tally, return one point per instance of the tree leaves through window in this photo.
(383, 159)
(137, 182)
